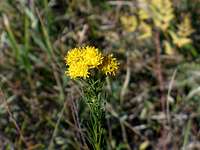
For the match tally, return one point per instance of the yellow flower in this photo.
(178, 40)
(129, 23)
(74, 55)
(185, 28)
(81, 59)
(143, 15)
(78, 70)
(168, 48)
(109, 65)
(92, 56)
(145, 30)
(181, 37)
(162, 11)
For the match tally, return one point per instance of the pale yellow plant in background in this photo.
(159, 16)
(145, 31)
(185, 29)
(129, 23)
(162, 13)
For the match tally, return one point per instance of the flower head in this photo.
(81, 60)
(73, 56)
(162, 11)
(78, 70)
(92, 56)
(185, 28)
(109, 65)
(146, 31)
(129, 23)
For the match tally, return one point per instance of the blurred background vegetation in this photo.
(154, 101)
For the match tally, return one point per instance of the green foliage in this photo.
(95, 99)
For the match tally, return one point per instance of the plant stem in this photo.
(12, 39)
(159, 74)
(159, 70)
(95, 102)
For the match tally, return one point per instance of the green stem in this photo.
(11, 37)
(95, 102)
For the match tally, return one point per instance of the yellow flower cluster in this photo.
(109, 65)
(185, 29)
(162, 13)
(81, 60)
(129, 23)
